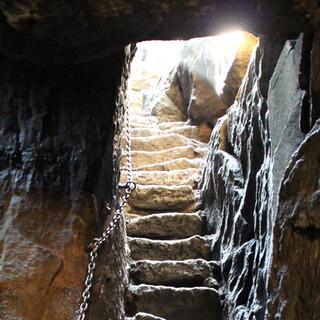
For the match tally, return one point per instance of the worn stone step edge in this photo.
(189, 248)
(189, 272)
(164, 142)
(188, 176)
(163, 198)
(180, 163)
(165, 226)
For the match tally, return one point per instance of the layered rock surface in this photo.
(260, 198)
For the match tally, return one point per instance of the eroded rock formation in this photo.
(205, 79)
(56, 149)
(256, 157)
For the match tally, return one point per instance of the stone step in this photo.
(170, 125)
(132, 213)
(191, 248)
(191, 132)
(144, 316)
(198, 303)
(169, 178)
(176, 164)
(160, 125)
(138, 112)
(163, 198)
(163, 142)
(166, 226)
(143, 158)
(143, 120)
(185, 273)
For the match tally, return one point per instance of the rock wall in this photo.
(76, 31)
(56, 147)
(260, 187)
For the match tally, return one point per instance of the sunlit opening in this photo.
(225, 48)
(208, 59)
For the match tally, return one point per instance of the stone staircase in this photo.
(171, 274)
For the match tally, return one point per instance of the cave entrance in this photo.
(194, 80)
(176, 92)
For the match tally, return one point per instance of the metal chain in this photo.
(129, 186)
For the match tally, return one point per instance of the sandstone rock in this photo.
(175, 303)
(191, 248)
(177, 164)
(166, 226)
(165, 110)
(238, 68)
(162, 198)
(176, 273)
(187, 176)
(204, 103)
(193, 86)
(47, 212)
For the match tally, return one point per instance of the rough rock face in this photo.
(69, 32)
(294, 276)
(260, 187)
(55, 174)
(205, 80)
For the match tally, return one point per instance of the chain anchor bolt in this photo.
(131, 185)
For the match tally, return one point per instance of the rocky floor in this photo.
(171, 274)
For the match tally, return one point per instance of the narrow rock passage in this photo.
(171, 274)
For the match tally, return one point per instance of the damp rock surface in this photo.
(258, 193)
(54, 180)
(50, 32)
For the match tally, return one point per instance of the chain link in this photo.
(93, 248)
